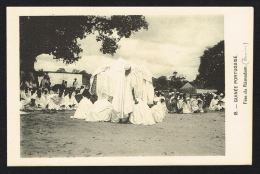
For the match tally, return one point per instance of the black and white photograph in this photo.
(122, 85)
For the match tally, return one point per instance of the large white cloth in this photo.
(101, 110)
(83, 110)
(142, 114)
(112, 81)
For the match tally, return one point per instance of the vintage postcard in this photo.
(111, 86)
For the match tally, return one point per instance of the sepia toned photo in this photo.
(124, 86)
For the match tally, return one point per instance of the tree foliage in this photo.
(61, 70)
(212, 68)
(58, 35)
(177, 80)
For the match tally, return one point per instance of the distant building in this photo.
(188, 88)
(57, 77)
(200, 91)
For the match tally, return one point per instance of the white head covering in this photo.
(127, 66)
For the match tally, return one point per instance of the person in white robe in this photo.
(54, 101)
(180, 103)
(194, 105)
(23, 98)
(69, 101)
(200, 100)
(144, 94)
(31, 105)
(222, 101)
(187, 106)
(102, 110)
(142, 114)
(40, 100)
(214, 104)
(123, 98)
(164, 103)
(84, 107)
(158, 111)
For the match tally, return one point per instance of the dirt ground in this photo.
(58, 135)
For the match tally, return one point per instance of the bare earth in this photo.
(57, 135)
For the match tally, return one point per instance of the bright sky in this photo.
(171, 43)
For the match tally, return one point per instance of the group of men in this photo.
(187, 103)
(46, 97)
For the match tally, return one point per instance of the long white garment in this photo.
(194, 105)
(25, 100)
(180, 103)
(150, 92)
(54, 101)
(214, 105)
(101, 110)
(83, 110)
(142, 114)
(123, 102)
(158, 111)
(40, 102)
(187, 107)
(67, 102)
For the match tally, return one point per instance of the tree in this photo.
(58, 35)
(85, 77)
(162, 83)
(177, 81)
(212, 68)
(61, 70)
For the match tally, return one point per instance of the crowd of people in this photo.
(120, 93)
(187, 103)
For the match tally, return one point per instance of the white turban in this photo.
(127, 66)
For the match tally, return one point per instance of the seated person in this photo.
(158, 111)
(102, 110)
(180, 103)
(214, 104)
(40, 100)
(195, 106)
(84, 107)
(221, 101)
(200, 100)
(55, 101)
(31, 105)
(187, 106)
(69, 101)
(142, 114)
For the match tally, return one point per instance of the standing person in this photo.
(75, 84)
(124, 98)
(43, 82)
